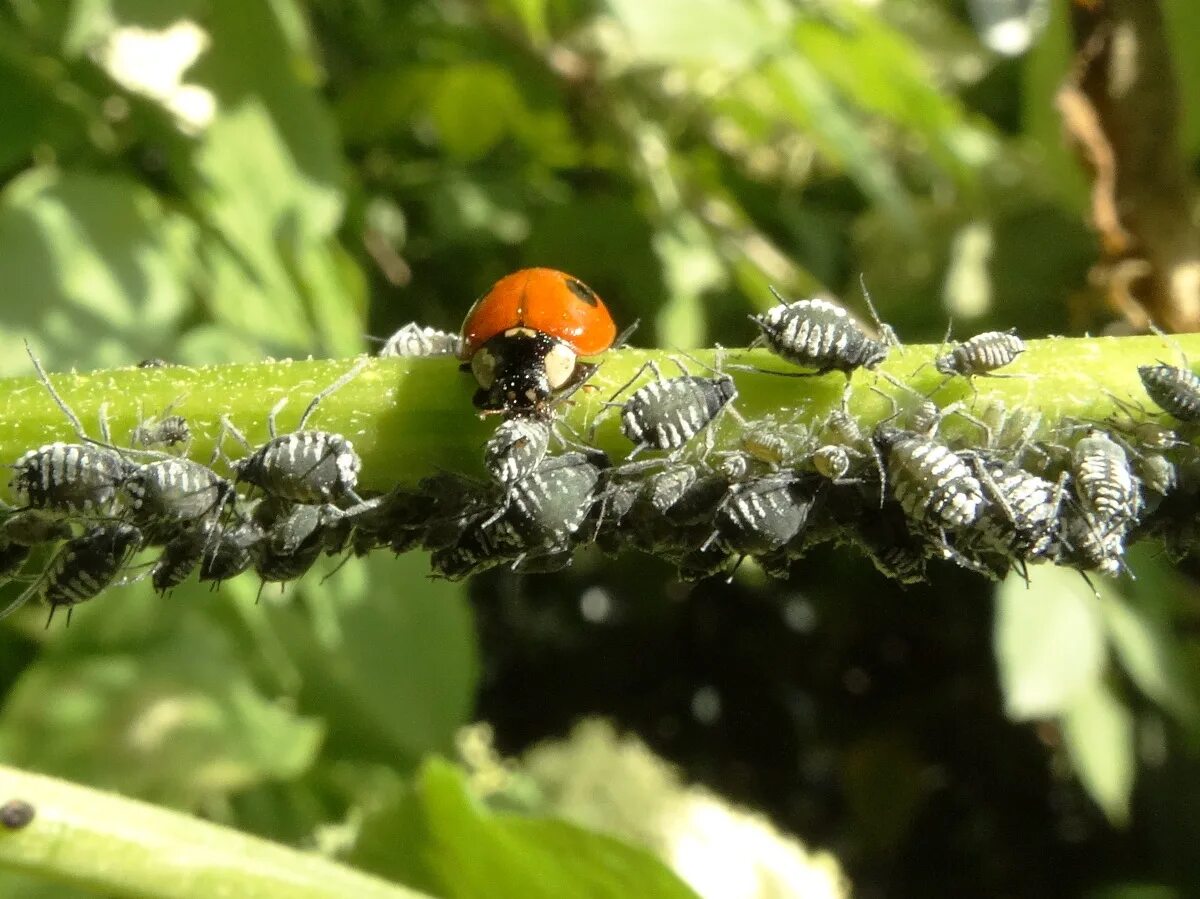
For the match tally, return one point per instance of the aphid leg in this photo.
(274, 413)
(59, 401)
(610, 403)
(959, 409)
(228, 427)
(105, 436)
(337, 385)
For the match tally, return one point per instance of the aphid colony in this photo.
(992, 494)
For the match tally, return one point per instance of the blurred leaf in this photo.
(1098, 731)
(1049, 640)
(532, 14)
(1149, 653)
(179, 721)
(1134, 891)
(691, 268)
(1181, 27)
(477, 853)
(35, 113)
(702, 33)
(388, 659)
(104, 268)
(473, 107)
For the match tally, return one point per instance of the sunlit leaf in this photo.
(1098, 731)
(1049, 640)
(695, 32)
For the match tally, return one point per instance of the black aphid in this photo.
(1105, 485)
(982, 354)
(762, 515)
(168, 492)
(932, 483)
(83, 568)
(818, 334)
(666, 413)
(418, 340)
(1025, 518)
(233, 551)
(1173, 389)
(547, 507)
(181, 555)
(516, 448)
(295, 538)
(310, 467)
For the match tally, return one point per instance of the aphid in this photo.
(768, 443)
(893, 549)
(303, 466)
(832, 462)
(16, 814)
(466, 556)
(169, 492)
(516, 448)
(167, 431)
(1025, 517)
(846, 443)
(29, 527)
(666, 413)
(982, 354)
(1104, 483)
(417, 340)
(550, 505)
(232, 553)
(181, 555)
(1173, 389)
(705, 562)
(932, 483)
(818, 334)
(83, 568)
(524, 338)
(69, 478)
(762, 515)
(153, 363)
(294, 541)
(1083, 544)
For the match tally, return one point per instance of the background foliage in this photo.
(211, 180)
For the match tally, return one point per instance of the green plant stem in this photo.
(411, 417)
(122, 847)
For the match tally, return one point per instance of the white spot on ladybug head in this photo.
(483, 366)
(560, 364)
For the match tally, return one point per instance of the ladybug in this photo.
(524, 338)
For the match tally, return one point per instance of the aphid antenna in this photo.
(333, 388)
(624, 336)
(611, 403)
(59, 401)
(1168, 339)
(887, 333)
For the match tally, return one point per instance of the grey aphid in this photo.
(1025, 517)
(83, 567)
(1104, 483)
(69, 478)
(762, 515)
(550, 505)
(181, 555)
(168, 431)
(1173, 389)
(310, 467)
(932, 483)
(516, 448)
(233, 552)
(817, 334)
(174, 491)
(666, 413)
(982, 354)
(418, 340)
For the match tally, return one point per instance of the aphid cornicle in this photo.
(83, 567)
(817, 334)
(310, 467)
(982, 354)
(1175, 390)
(420, 340)
(666, 413)
(516, 448)
(932, 483)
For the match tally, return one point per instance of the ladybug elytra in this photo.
(524, 338)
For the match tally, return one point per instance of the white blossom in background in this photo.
(615, 784)
(152, 63)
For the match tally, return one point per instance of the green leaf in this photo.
(1098, 731)
(388, 658)
(474, 852)
(474, 106)
(1149, 653)
(176, 719)
(1049, 640)
(92, 263)
(700, 33)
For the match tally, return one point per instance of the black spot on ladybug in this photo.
(582, 291)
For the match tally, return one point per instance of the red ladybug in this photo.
(522, 340)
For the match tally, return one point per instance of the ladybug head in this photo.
(521, 369)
